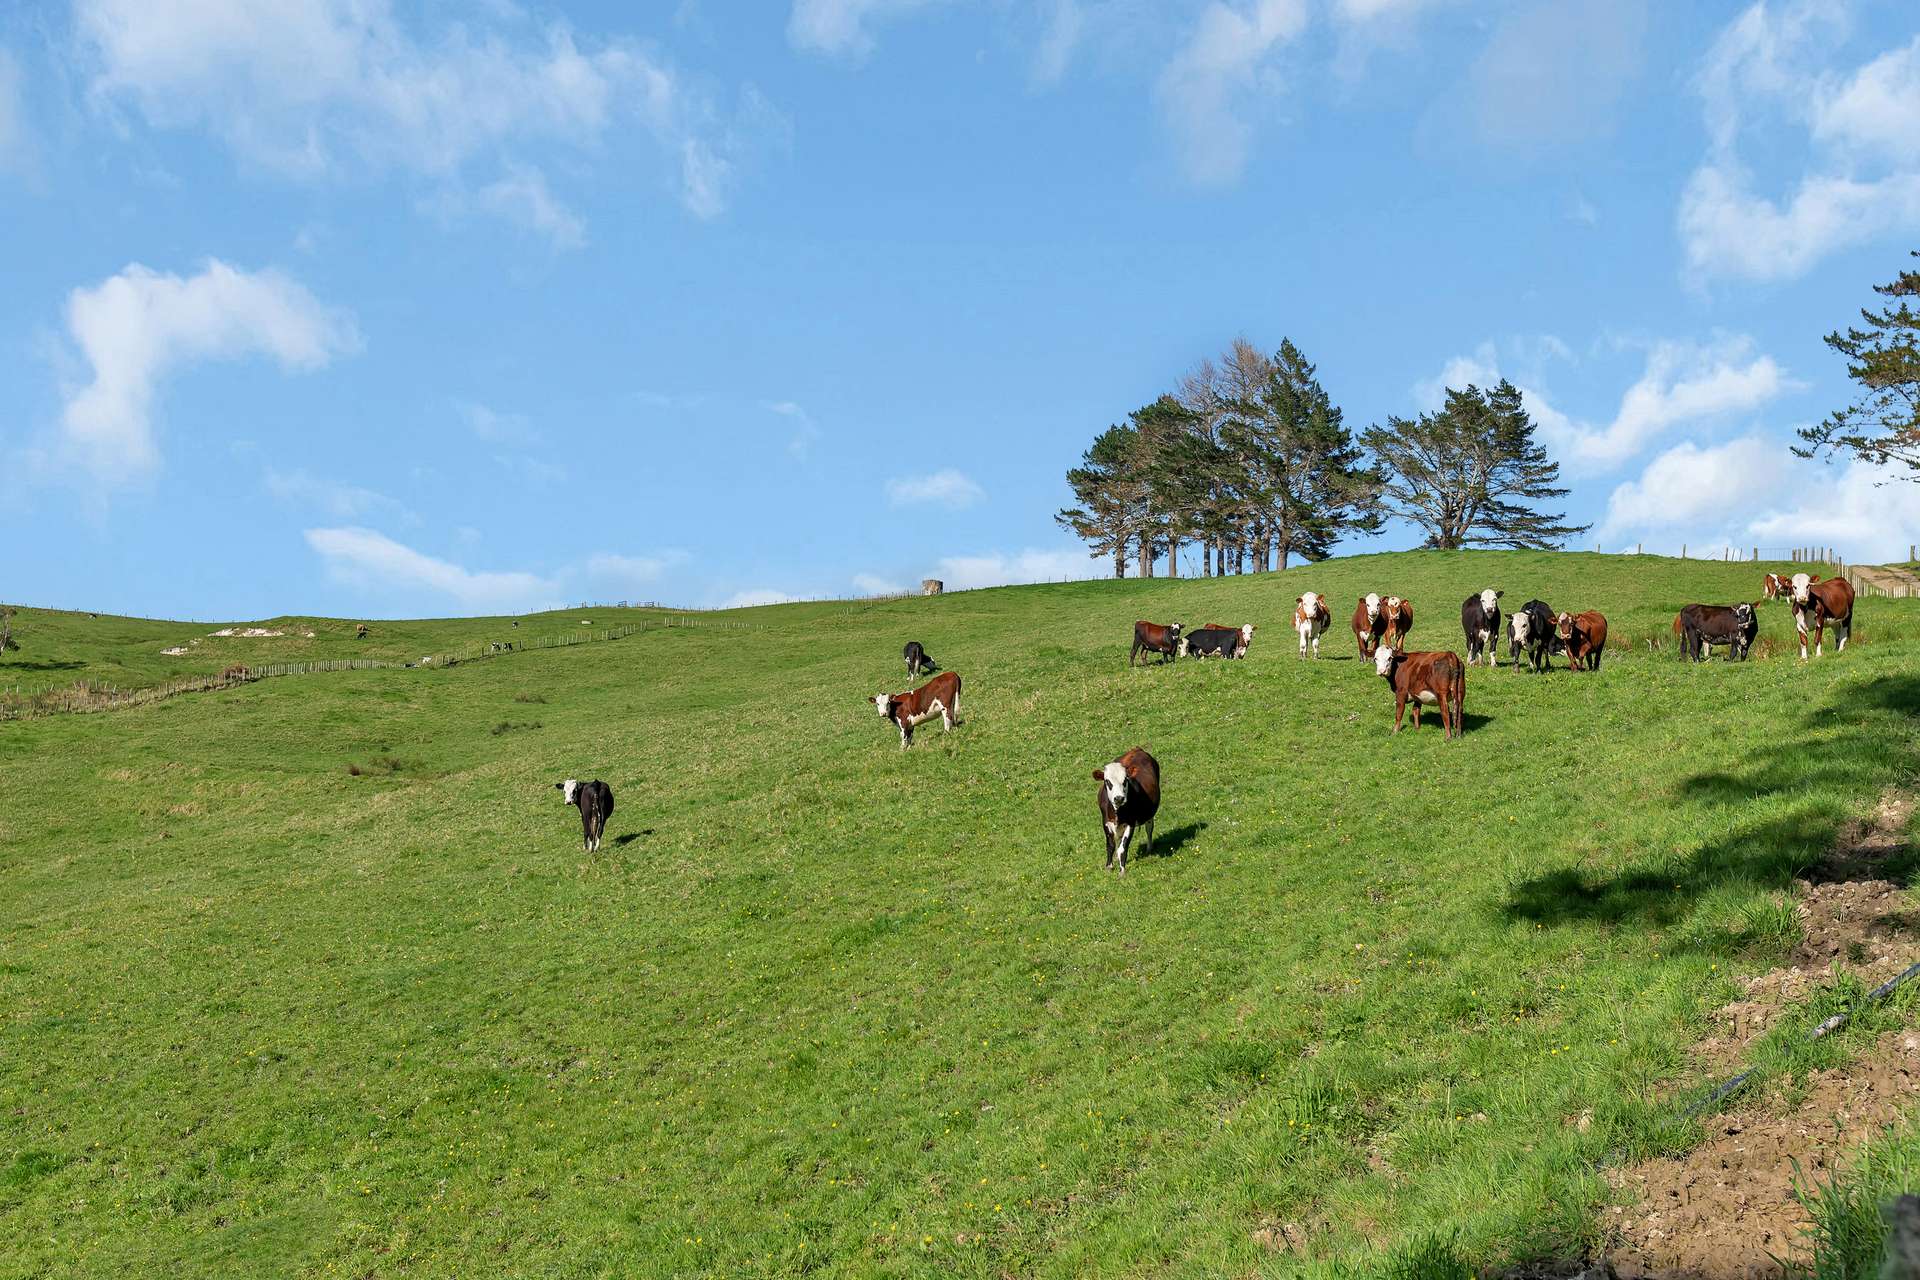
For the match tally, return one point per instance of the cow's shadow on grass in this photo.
(1846, 745)
(1171, 841)
(620, 842)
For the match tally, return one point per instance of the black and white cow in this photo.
(1217, 642)
(595, 802)
(918, 660)
(1531, 631)
(1480, 617)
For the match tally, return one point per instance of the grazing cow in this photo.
(595, 802)
(1531, 631)
(1129, 799)
(1217, 640)
(1399, 616)
(939, 696)
(1778, 585)
(1311, 617)
(1480, 616)
(1816, 603)
(1368, 624)
(1152, 637)
(1425, 677)
(917, 660)
(1584, 636)
(1701, 626)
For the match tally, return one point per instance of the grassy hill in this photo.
(310, 976)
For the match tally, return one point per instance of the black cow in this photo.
(1480, 618)
(918, 659)
(1215, 642)
(1701, 626)
(595, 800)
(1531, 631)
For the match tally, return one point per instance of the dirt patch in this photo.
(1727, 1210)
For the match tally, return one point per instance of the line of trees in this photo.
(1249, 460)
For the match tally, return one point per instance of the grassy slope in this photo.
(59, 647)
(836, 1007)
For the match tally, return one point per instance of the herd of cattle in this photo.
(1129, 792)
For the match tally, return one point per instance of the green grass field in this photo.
(825, 1007)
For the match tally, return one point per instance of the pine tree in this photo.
(1111, 496)
(1313, 486)
(1467, 473)
(1883, 425)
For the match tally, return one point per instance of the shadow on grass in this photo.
(49, 664)
(1168, 843)
(630, 837)
(1845, 745)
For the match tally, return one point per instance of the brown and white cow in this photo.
(1129, 799)
(939, 696)
(1153, 637)
(1369, 623)
(1778, 585)
(1399, 616)
(1584, 636)
(1425, 678)
(1311, 617)
(1815, 604)
(1217, 640)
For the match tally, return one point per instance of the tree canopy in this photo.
(1468, 473)
(1882, 426)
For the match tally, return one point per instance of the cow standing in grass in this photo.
(595, 802)
(1701, 626)
(1531, 632)
(939, 696)
(1425, 678)
(1369, 624)
(1480, 618)
(1129, 799)
(1153, 637)
(1399, 620)
(1311, 618)
(917, 660)
(1584, 637)
(1815, 604)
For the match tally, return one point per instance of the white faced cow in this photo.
(1817, 603)
(1480, 618)
(1310, 620)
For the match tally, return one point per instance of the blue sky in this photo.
(358, 308)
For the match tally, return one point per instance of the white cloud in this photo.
(946, 488)
(498, 428)
(140, 325)
(1691, 484)
(1556, 71)
(1362, 11)
(522, 197)
(311, 87)
(1202, 91)
(1868, 514)
(1862, 177)
(623, 572)
(13, 131)
(755, 597)
(1062, 26)
(872, 584)
(1683, 383)
(369, 560)
(842, 26)
(998, 569)
(805, 430)
(332, 498)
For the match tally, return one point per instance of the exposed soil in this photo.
(1726, 1210)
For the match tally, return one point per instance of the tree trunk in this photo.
(1120, 559)
(1282, 566)
(1173, 556)
(1146, 554)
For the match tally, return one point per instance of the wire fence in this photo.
(99, 695)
